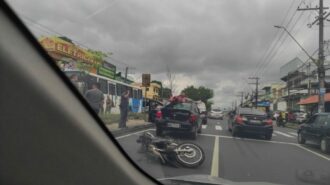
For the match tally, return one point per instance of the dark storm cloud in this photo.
(214, 43)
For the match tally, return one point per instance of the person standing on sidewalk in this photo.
(108, 105)
(95, 97)
(123, 109)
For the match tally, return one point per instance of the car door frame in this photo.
(306, 131)
(317, 129)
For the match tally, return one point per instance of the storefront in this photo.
(311, 103)
(69, 56)
(264, 106)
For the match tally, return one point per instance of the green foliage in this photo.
(201, 93)
(158, 82)
(209, 105)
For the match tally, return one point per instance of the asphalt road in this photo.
(248, 159)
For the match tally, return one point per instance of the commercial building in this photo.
(152, 92)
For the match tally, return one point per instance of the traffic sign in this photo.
(322, 91)
(146, 80)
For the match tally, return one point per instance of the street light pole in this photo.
(319, 63)
(309, 56)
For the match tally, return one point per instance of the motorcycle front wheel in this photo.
(190, 155)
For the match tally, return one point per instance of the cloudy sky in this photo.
(214, 43)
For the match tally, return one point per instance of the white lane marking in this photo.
(134, 133)
(275, 142)
(218, 127)
(283, 134)
(248, 139)
(204, 126)
(230, 137)
(215, 158)
(315, 153)
(293, 133)
(274, 135)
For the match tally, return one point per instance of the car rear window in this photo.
(252, 111)
(182, 106)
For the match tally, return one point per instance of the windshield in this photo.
(130, 59)
(216, 110)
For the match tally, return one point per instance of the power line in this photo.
(272, 43)
(276, 43)
(278, 49)
(270, 60)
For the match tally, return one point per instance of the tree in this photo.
(201, 93)
(209, 105)
(157, 82)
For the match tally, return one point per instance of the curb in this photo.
(119, 132)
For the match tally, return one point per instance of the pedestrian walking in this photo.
(123, 109)
(95, 97)
(108, 105)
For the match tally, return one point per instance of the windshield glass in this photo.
(216, 110)
(218, 59)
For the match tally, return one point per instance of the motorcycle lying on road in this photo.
(187, 155)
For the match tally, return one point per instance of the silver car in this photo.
(216, 114)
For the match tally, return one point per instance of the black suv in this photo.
(250, 120)
(182, 117)
(316, 129)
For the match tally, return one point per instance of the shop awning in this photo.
(314, 99)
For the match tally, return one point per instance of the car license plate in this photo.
(255, 121)
(173, 125)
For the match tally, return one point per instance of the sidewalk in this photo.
(131, 124)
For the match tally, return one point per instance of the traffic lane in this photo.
(216, 127)
(279, 134)
(248, 160)
(152, 165)
(315, 147)
(284, 134)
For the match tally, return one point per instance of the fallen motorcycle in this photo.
(187, 155)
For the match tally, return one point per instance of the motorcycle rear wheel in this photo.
(192, 159)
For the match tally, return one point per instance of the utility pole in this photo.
(241, 94)
(320, 62)
(309, 78)
(256, 93)
(126, 71)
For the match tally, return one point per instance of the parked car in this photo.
(203, 112)
(179, 117)
(316, 129)
(216, 114)
(250, 120)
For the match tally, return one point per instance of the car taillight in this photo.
(192, 118)
(269, 122)
(240, 119)
(159, 114)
